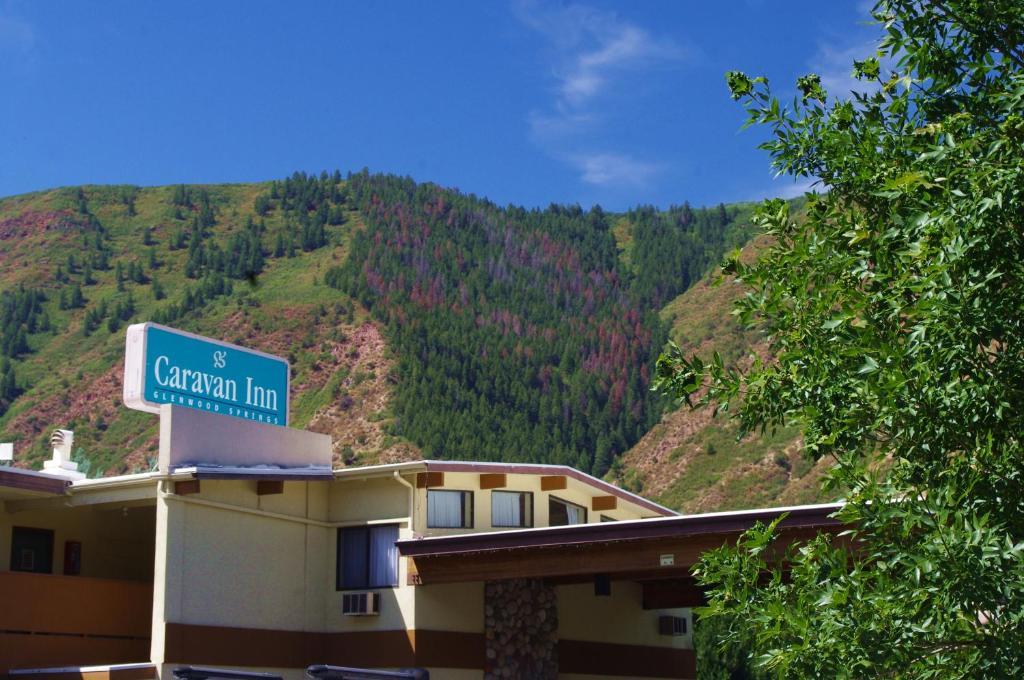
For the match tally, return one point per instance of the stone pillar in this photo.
(521, 628)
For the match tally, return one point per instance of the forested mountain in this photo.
(520, 335)
(419, 320)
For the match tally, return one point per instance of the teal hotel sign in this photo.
(166, 366)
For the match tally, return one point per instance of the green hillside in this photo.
(419, 320)
(695, 462)
(97, 258)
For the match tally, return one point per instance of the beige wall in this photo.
(618, 618)
(117, 540)
(270, 561)
(575, 492)
(229, 567)
(455, 607)
(359, 500)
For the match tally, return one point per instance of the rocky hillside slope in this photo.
(694, 462)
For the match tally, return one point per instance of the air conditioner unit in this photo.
(360, 604)
(672, 625)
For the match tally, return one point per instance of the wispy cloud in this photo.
(787, 187)
(611, 169)
(835, 66)
(16, 36)
(18, 45)
(801, 187)
(595, 56)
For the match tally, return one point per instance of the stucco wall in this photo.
(117, 540)
(575, 492)
(359, 500)
(618, 618)
(229, 568)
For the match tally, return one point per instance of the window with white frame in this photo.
(561, 513)
(511, 509)
(367, 557)
(449, 509)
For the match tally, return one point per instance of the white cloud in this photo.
(787, 188)
(800, 188)
(835, 66)
(595, 56)
(16, 36)
(613, 169)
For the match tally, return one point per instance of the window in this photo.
(511, 509)
(367, 557)
(606, 518)
(449, 509)
(561, 513)
(32, 550)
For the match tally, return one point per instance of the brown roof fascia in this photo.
(810, 517)
(17, 479)
(527, 469)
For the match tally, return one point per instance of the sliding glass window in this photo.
(511, 509)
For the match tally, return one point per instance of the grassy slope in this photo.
(340, 362)
(693, 462)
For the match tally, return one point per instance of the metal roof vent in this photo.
(61, 464)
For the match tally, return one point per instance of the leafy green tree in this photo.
(717, 663)
(895, 314)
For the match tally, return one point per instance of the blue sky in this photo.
(522, 102)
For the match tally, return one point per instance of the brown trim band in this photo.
(630, 661)
(213, 645)
(16, 478)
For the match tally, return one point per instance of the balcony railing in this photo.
(48, 621)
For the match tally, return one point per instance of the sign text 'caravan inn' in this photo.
(167, 366)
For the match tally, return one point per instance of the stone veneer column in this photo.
(521, 628)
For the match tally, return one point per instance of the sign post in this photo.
(166, 366)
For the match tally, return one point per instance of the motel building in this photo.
(245, 550)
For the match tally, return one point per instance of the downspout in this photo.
(412, 497)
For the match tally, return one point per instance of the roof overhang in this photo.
(18, 484)
(303, 474)
(640, 549)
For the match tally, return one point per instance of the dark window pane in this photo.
(32, 550)
(354, 558)
(562, 513)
